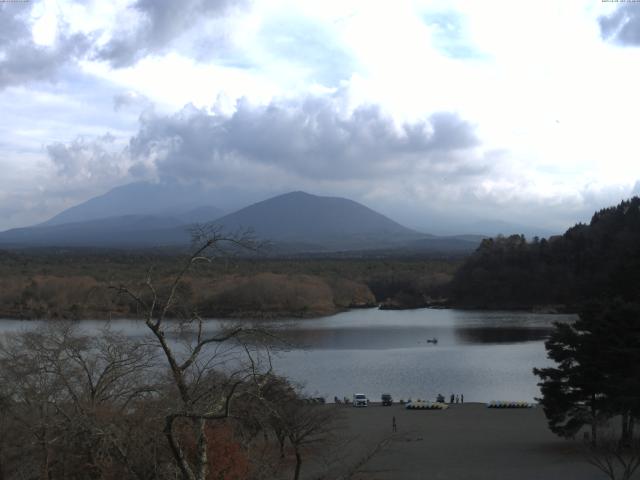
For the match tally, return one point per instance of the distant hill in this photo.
(599, 260)
(494, 228)
(141, 198)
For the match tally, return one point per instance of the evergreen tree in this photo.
(572, 392)
(618, 327)
(598, 370)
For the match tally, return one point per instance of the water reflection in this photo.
(359, 338)
(489, 335)
(485, 355)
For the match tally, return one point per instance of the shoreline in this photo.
(289, 315)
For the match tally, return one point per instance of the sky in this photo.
(443, 115)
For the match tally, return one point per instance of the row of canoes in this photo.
(424, 405)
(502, 404)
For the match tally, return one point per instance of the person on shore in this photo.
(461, 398)
(451, 398)
(457, 398)
(394, 427)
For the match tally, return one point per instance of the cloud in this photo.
(89, 160)
(313, 137)
(622, 26)
(130, 99)
(22, 60)
(158, 23)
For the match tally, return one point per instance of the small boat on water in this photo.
(433, 340)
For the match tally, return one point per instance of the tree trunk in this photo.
(44, 467)
(594, 422)
(176, 450)
(296, 475)
(201, 460)
(1, 465)
(624, 436)
(281, 439)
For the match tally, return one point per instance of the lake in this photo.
(483, 355)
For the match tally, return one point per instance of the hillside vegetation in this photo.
(75, 284)
(598, 260)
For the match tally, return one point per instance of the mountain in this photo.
(323, 222)
(204, 214)
(295, 222)
(140, 198)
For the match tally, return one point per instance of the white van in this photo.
(360, 400)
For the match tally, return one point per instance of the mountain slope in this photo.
(140, 198)
(124, 231)
(328, 222)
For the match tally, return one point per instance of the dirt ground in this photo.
(464, 442)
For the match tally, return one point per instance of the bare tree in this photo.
(72, 395)
(616, 458)
(195, 357)
(292, 417)
(307, 425)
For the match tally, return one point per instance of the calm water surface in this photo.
(483, 355)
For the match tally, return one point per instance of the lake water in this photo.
(483, 355)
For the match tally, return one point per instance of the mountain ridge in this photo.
(293, 222)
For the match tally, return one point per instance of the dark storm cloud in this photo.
(22, 60)
(623, 25)
(161, 22)
(308, 138)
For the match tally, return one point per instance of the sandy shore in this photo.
(467, 442)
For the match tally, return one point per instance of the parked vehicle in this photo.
(360, 400)
(387, 400)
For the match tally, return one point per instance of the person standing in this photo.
(457, 398)
(394, 427)
(451, 398)
(461, 398)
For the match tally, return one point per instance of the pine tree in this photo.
(598, 370)
(572, 392)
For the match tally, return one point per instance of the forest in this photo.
(590, 261)
(74, 284)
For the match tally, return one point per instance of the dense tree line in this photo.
(598, 260)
